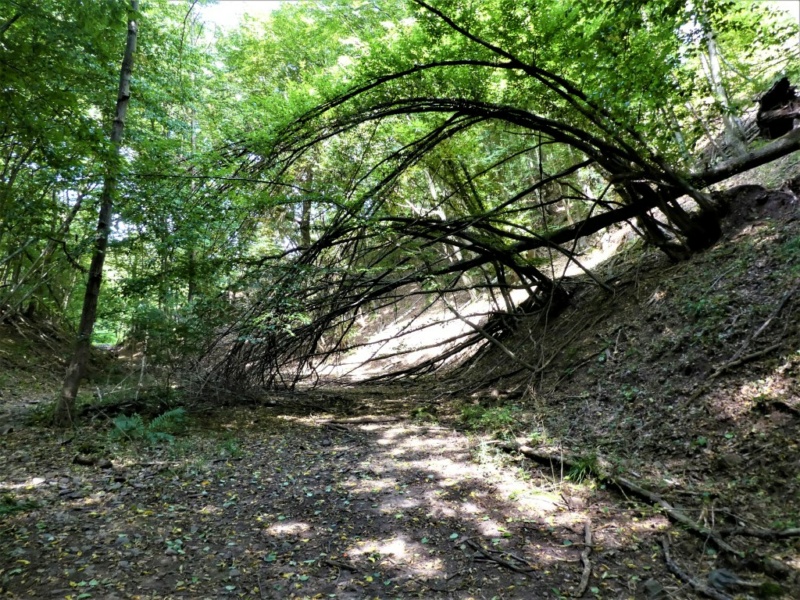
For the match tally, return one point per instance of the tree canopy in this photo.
(281, 180)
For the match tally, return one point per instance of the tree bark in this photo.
(734, 132)
(65, 405)
(781, 147)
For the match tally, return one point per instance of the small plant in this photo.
(424, 413)
(161, 429)
(175, 546)
(789, 251)
(230, 447)
(710, 308)
(584, 467)
(497, 420)
(173, 421)
(9, 505)
(536, 437)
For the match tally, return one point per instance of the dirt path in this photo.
(267, 506)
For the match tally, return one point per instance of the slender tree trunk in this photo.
(191, 274)
(65, 406)
(305, 224)
(9, 304)
(304, 221)
(734, 131)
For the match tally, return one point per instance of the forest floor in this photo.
(685, 381)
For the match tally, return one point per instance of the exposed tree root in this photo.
(737, 359)
(743, 360)
(698, 587)
(770, 566)
(764, 534)
(365, 420)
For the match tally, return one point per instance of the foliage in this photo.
(230, 447)
(162, 428)
(424, 413)
(474, 140)
(583, 468)
(497, 420)
(9, 505)
(281, 179)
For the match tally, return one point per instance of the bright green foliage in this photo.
(163, 428)
(236, 221)
(584, 468)
(468, 133)
(57, 81)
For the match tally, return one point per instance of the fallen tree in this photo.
(370, 256)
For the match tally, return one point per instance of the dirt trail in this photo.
(273, 506)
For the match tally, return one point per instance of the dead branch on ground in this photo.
(697, 586)
(587, 564)
(628, 487)
(497, 557)
(737, 358)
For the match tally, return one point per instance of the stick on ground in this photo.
(587, 565)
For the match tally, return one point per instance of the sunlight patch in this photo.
(413, 556)
(28, 484)
(287, 528)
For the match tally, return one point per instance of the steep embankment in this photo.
(685, 380)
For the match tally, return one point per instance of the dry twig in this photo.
(496, 556)
(764, 534)
(737, 359)
(341, 565)
(587, 565)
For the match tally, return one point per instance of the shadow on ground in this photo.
(291, 507)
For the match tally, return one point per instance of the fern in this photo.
(128, 427)
(160, 429)
(172, 421)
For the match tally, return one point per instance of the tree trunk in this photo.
(304, 222)
(65, 406)
(734, 131)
